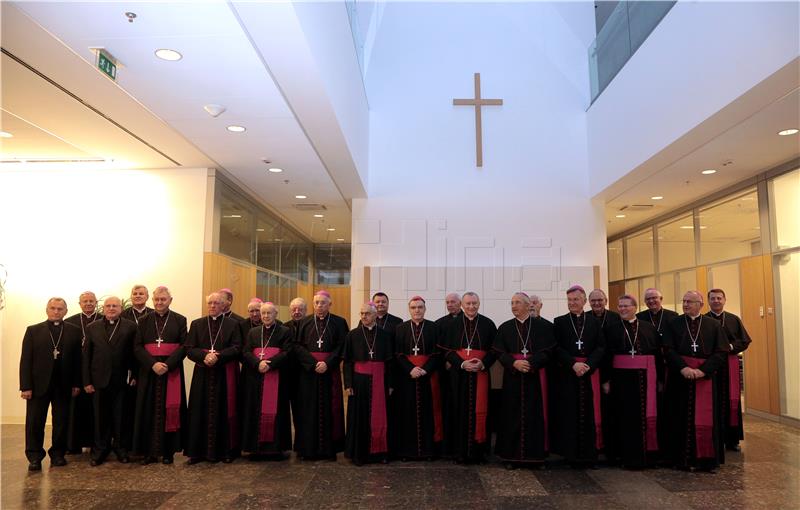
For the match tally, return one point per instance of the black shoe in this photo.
(58, 462)
(227, 460)
(733, 448)
(147, 460)
(95, 462)
(166, 460)
(124, 459)
(35, 465)
(509, 466)
(194, 460)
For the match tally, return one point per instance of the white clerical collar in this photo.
(523, 321)
(370, 328)
(56, 323)
(140, 310)
(89, 315)
(321, 318)
(472, 319)
(578, 314)
(382, 316)
(717, 314)
(695, 317)
(632, 320)
(215, 317)
(112, 321)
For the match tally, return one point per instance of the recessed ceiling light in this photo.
(331, 229)
(275, 170)
(231, 215)
(687, 227)
(278, 239)
(167, 54)
(709, 171)
(300, 196)
(259, 230)
(657, 197)
(237, 129)
(340, 239)
(319, 215)
(787, 132)
(5, 134)
(619, 216)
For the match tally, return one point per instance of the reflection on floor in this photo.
(766, 474)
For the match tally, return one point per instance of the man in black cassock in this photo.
(633, 371)
(696, 350)
(598, 301)
(659, 317)
(136, 312)
(318, 350)
(227, 303)
(468, 348)
(368, 384)
(213, 344)
(49, 374)
(161, 422)
(418, 427)
(575, 389)
(385, 320)
(253, 319)
(452, 303)
(298, 309)
(108, 363)
(81, 418)
(536, 306)
(524, 345)
(266, 427)
(728, 378)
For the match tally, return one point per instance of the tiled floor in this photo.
(766, 474)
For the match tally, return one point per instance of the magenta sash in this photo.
(703, 412)
(436, 396)
(173, 411)
(269, 396)
(543, 385)
(598, 420)
(231, 373)
(336, 396)
(645, 362)
(734, 389)
(377, 418)
(482, 397)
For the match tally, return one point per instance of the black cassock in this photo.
(729, 378)
(469, 405)
(443, 323)
(522, 434)
(131, 314)
(694, 414)
(417, 408)
(81, 415)
(266, 427)
(161, 422)
(633, 402)
(320, 433)
(213, 424)
(574, 403)
(293, 371)
(367, 370)
(606, 319)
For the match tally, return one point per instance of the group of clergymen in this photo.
(641, 388)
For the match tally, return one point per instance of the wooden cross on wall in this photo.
(477, 102)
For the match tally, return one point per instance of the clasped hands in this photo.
(417, 372)
(472, 365)
(580, 368)
(522, 365)
(692, 373)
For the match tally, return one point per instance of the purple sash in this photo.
(336, 396)
(377, 440)
(269, 396)
(172, 423)
(703, 412)
(645, 362)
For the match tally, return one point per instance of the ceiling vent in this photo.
(636, 207)
(310, 207)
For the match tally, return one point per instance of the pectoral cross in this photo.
(261, 355)
(478, 102)
(579, 343)
(212, 351)
(319, 343)
(632, 351)
(56, 352)
(371, 354)
(694, 346)
(158, 341)
(469, 350)
(416, 350)
(525, 351)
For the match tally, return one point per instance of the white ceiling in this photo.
(219, 65)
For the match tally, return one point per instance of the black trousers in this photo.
(36, 417)
(109, 413)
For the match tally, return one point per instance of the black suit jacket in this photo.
(36, 362)
(105, 361)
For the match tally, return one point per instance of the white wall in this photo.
(701, 57)
(434, 222)
(69, 230)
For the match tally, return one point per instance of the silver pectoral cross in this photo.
(525, 351)
(319, 343)
(371, 354)
(579, 343)
(56, 352)
(694, 346)
(159, 341)
(632, 351)
(261, 355)
(469, 350)
(416, 350)
(212, 351)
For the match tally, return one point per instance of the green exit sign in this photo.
(105, 63)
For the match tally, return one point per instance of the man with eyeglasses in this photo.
(696, 350)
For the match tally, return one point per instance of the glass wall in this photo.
(676, 244)
(332, 263)
(639, 254)
(784, 205)
(729, 229)
(615, 267)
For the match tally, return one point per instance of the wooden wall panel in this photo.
(615, 290)
(702, 287)
(757, 373)
(772, 336)
(221, 272)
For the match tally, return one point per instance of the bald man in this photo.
(696, 350)
(108, 362)
(49, 369)
(81, 419)
(598, 302)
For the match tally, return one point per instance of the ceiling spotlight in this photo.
(300, 196)
(167, 54)
(787, 132)
(131, 16)
(275, 170)
(234, 216)
(259, 230)
(619, 216)
(709, 171)
(687, 227)
(215, 110)
(658, 197)
(236, 129)
(340, 239)
(331, 229)
(319, 215)
(5, 134)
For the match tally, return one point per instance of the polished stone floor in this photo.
(766, 474)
